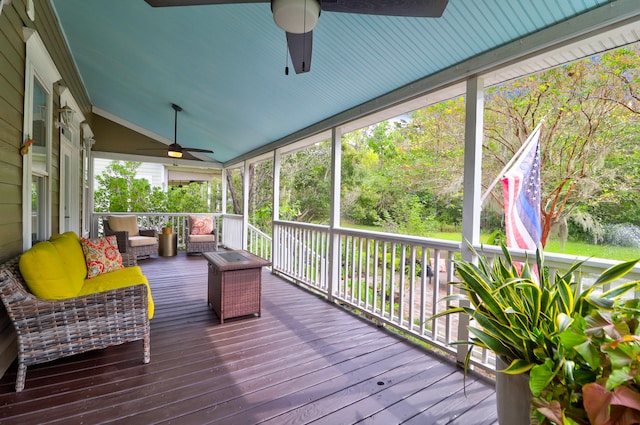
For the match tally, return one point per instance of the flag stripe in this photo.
(521, 191)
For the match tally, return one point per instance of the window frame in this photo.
(38, 66)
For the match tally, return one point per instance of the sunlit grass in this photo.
(611, 252)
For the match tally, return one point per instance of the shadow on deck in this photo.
(305, 360)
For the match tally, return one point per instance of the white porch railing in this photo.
(158, 221)
(396, 280)
(259, 243)
(231, 236)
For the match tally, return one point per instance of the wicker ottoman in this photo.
(234, 283)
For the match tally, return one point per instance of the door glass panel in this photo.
(38, 209)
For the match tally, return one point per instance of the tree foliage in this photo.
(588, 108)
(119, 191)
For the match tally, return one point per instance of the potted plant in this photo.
(167, 229)
(521, 315)
(594, 376)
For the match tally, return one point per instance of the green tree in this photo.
(586, 105)
(119, 191)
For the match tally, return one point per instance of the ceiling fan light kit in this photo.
(174, 151)
(296, 16)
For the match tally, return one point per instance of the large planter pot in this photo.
(513, 397)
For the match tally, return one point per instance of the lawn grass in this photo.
(611, 252)
(577, 248)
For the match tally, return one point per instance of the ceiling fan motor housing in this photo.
(296, 16)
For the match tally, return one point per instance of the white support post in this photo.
(472, 204)
(245, 205)
(334, 222)
(474, 120)
(223, 188)
(275, 240)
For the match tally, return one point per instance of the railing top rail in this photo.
(301, 225)
(412, 240)
(153, 214)
(381, 236)
(254, 229)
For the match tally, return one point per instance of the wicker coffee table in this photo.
(235, 283)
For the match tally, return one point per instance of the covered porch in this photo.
(303, 361)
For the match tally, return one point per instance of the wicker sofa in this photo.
(142, 243)
(110, 309)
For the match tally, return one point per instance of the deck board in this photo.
(303, 361)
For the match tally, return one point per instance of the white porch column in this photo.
(334, 221)
(472, 187)
(474, 123)
(89, 228)
(275, 240)
(245, 205)
(223, 207)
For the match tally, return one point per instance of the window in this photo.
(40, 76)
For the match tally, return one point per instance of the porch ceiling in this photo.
(224, 64)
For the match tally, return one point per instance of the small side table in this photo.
(168, 244)
(235, 283)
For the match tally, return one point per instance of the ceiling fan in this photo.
(175, 150)
(299, 17)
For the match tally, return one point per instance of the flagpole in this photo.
(511, 161)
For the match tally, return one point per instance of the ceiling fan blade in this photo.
(300, 46)
(165, 3)
(196, 150)
(409, 8)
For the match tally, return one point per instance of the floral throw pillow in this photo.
(102, 255)
(201, 225)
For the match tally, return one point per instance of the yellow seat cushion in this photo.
(68, 246)
(45, 273)
(118, 279)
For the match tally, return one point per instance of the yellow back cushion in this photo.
(45, 273)
(70, 250)
(124, 222)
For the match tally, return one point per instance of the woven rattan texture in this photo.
(51, 329)
(123, 241)
(235, 293)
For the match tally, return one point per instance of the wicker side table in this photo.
(234, 283)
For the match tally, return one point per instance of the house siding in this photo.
(13, 17)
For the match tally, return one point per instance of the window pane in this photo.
(40, 113)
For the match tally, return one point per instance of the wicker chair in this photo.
(141, 242)
(199, 243)
(51, 329)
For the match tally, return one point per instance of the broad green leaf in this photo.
(539, 378)
(618, 377)
(618, 358)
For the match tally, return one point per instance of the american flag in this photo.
(521, 190)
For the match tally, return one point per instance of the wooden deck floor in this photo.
(303, 361)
